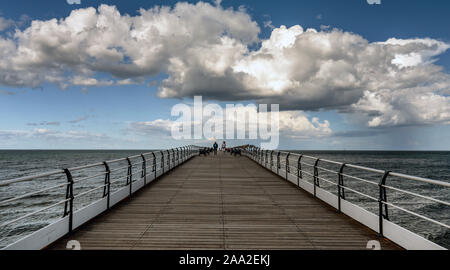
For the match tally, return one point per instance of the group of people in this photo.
(216, 147)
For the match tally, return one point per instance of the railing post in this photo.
(154, 164)
(69, 197)
(316, 176)
(168, 158)
(381, 200)
(178, 156)
(288, 168)
(107, 188)
(173, 158)
(130, 175)
(144, 169)
(271, 160)
(162, 161)
(299, 169)
(265, 159)
(278, 162)
(341, 190)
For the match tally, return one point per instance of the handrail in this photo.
(134, 173)
(401, 175)
(261, 157)
(28, 178)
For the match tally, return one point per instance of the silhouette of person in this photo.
(215, 146)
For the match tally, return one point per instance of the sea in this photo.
(427, 164)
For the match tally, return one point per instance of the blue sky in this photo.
(58, 112)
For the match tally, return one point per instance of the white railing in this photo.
(119, 179)
(297, 168)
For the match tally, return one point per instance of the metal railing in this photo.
(138, 169)
(295, 166)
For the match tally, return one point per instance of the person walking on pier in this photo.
(224, 146)
(215, 146)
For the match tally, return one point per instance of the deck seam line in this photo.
(161, 212)
(282, 210)
(222, 206)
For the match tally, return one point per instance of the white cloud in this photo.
(157, 127)
(43, 133)
(374, 2)
(405, 107)
(74, 2)
(269, 24)
(292, 124)
(296, 125)
(205, 49)
(90, 41)
(82, 81)
(310, 70)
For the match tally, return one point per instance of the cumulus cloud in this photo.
(310, 70)
(204, 49)
(91, 41)
(292, 124)
(155, 127)
(296, 124)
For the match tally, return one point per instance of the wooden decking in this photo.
(222, 202)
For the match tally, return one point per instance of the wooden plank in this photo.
(222, 202)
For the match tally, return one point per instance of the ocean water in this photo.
(18, 163)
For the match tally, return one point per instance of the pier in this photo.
(178, 199)
(222, 202)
